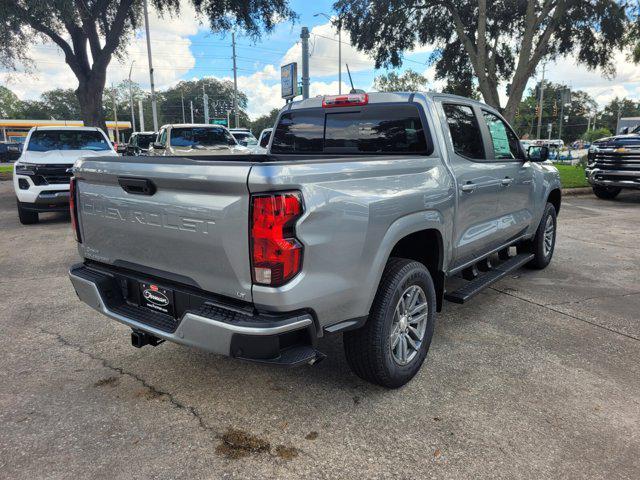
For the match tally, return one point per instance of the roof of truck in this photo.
(382, 97)
(187, 125)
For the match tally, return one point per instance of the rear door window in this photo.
(465, 131)
(372, 129)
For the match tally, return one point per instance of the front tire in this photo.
(544, 242)
(391, 347)
(27, 217)
(606, 193)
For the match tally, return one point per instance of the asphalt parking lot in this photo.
(538, 377)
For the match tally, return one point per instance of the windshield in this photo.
(245, 138)
(200, 137)
(48, 140)
(145, 139)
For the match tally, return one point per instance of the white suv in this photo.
(41, 174)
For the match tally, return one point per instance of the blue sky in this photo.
(185, 49)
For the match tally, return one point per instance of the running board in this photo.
(472, 288)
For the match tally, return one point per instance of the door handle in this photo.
(505, 182)
(468, 187)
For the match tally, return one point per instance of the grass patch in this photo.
(572, 176)
(6, 168)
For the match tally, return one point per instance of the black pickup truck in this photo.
(613, 163)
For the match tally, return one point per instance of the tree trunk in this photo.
(89, 93)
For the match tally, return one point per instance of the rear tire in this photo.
(391, 347)
(544, 242)
(606, 193)
(27, 217)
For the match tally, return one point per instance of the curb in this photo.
(571, 192)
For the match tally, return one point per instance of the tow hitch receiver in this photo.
(140, 339)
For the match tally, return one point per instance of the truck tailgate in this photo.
(192, 229)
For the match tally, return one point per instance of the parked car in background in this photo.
(120, 148)
(140, 142)
(41, 174)
(613, 164)
(355, 222)
(10, 151)
(195, 139)
(244, 137)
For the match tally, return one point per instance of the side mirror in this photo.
(158, 146)
(625, 130)
(538, 154)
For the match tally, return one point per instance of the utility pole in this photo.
(141, 114)
(191, 102)
(154, 108)
(235, 80)
(205, 101)
(304, 36)
(133, 116)
(115, 112)
(544, 65)
(228, 119)
(619, 115)
(184, 120)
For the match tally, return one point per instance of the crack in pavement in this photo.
(172, 400)
(567, 314)
(593, 298)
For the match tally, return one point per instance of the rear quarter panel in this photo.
(356, 209)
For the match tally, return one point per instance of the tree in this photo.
(219, 93)
(504, 42)
(89, 32)
(576, 113)
(615, 109)
(9, 103)
(265, 121)
(409, 81)
(61, 104)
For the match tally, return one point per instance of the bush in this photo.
(592, 135)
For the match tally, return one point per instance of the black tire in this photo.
(542, 256)
(368, 349)
(606, 193)
(27, 217)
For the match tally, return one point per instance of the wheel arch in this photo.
(555, 198)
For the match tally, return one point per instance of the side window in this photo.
(464, 129)
(505, 142)
(162, 137)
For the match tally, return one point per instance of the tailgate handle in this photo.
(137, 186)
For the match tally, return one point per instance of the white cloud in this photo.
(169, 41)
(323, 47)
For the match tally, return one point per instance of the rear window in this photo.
(48, 140)
(372, 129)
(200, 137)
(145, 140)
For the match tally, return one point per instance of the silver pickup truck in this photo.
(363, 214)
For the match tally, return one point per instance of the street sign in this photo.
(289, 80)
(219, 121)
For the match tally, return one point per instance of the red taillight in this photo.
(73, 209)
(349, 100)
(276, 255)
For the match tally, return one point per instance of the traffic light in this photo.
(517, 111)
(555, 109)
(537, 110)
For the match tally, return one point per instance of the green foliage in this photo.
(265, 121)
(90, 32)
(622, 107)
(9, 103)
(596, 134)
(408, 81)
(577, 113)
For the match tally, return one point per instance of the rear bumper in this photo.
(613, 178)
(283, 339)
